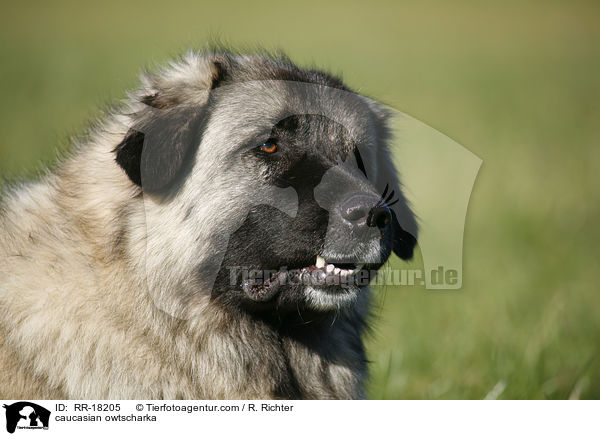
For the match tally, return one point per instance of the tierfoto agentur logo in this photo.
(26, 415)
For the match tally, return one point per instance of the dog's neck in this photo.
(285, 358)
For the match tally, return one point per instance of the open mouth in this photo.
(334, 269)
(319, 274)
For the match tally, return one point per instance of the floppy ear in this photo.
(403, 241)
(160, 145)
(404, 225)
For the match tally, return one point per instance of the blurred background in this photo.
(516, 82)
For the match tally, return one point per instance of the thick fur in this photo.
(77, 257)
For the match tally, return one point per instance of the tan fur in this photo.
(76, 320)
(75, 323)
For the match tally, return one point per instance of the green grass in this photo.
(515, 82)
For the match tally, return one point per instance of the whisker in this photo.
(385, 191)
(390, 196)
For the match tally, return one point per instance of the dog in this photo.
(212, 237)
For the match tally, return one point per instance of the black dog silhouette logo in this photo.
(26, 415)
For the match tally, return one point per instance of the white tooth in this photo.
(329, 268)
(320, 262)
(345, 272)
(336, 271)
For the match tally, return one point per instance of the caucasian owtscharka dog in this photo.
(213, 237)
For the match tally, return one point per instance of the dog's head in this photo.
(269, 186)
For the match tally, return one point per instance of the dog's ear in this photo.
(404, 225)
(187, 82)
(403, 240)
(161, 142)
(159, 148)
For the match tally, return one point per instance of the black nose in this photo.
(366, 210)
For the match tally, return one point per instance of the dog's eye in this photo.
(268, 147)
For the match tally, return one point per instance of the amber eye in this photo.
(269, 147)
